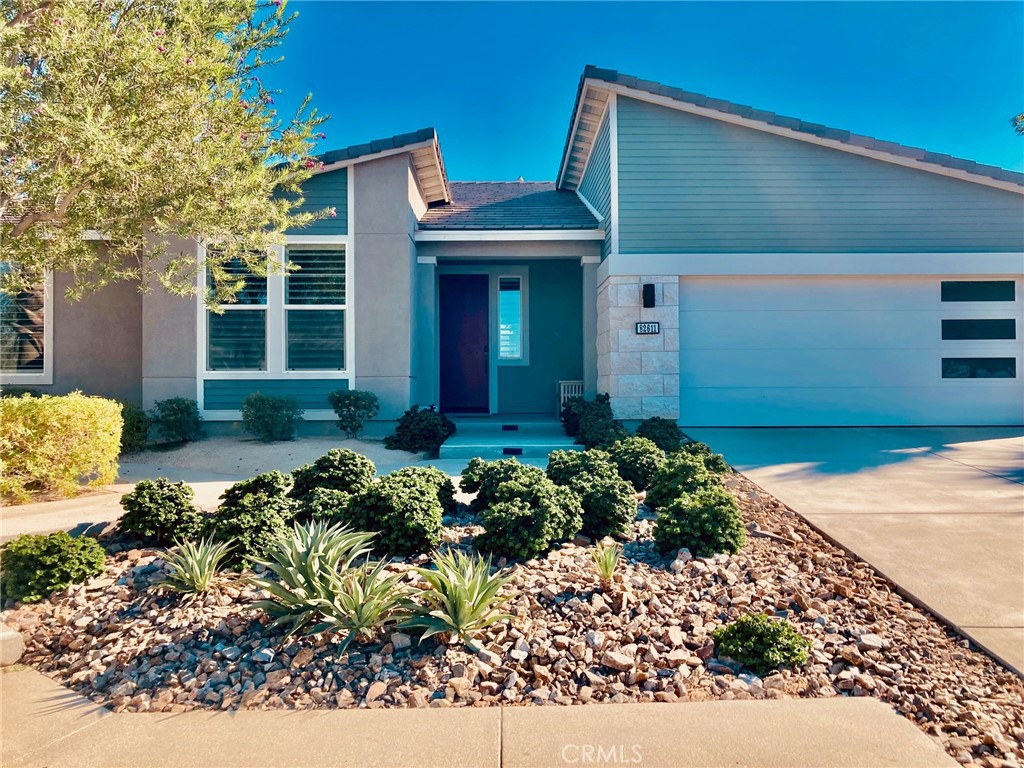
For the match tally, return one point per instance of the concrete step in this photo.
(494, 425)
(501, 440)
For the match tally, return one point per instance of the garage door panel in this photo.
(813, 293)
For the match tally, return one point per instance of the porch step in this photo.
(502, 438)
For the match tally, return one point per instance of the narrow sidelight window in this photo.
(977, 290)
(953, 330)
(979, 368)
(510, 318)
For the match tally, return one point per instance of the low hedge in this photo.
(441, 482)
(609, 502)
(485, 477)
(177, 420)
(637, 459)
(52, 444)
(135, 428)
(32, 567)
(714, 462)
(253, 514)
(420, 430)
(664, 433)
(339, 469)
(271, 418)
(528, 516)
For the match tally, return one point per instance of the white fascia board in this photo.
(592, 209)
(508, 235)
(758, 125)
(769, 264)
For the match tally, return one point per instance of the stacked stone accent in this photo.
(641, 373)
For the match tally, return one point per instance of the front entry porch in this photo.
(527, 436)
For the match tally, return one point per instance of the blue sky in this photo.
(498, 80)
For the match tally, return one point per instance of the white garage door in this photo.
(850, 351)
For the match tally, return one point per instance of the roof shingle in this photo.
(509, 205)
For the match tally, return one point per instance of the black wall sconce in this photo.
(648, 295)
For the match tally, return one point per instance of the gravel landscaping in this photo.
(647, 638)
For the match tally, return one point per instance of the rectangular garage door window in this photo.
(977, 290)
(953, 330)
(979, 368)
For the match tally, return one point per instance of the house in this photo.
(696, 259)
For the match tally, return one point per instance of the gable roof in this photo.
(424, 147)
(597, 84)
(509, 205)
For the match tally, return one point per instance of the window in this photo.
(979, 368)
(315, 305)
(510, 318)
(25, 329)
(953, 330)
(237, 337)
(977, 290)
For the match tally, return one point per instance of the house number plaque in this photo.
(648, 329)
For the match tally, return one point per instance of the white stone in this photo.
(627, 407)
(627, 340)
(638, 385)
(658, 362)
(665, 407)
(670, 339)
(627, 295)
(626, 362)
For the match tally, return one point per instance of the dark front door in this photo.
(464, 342)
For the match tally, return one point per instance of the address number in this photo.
(647, 329)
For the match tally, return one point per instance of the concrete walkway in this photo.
(940, 511)
(44, 724)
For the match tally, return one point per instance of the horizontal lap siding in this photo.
(326, 190)
(690, 184)
(228, 394)
(596, 185)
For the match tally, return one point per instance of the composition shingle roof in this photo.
(823, 131)
(378, 145)
(509, 205)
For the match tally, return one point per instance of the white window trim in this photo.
(45, 377)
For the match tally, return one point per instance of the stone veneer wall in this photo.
(641, 373)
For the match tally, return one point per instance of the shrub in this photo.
(462, 599)
(271, 417)
(31, 566)
(404, 509)
(339, 469)
(566, 466)
(253, 514)
(354, 408)
(324, 505)
(636, 460)
(420, 431)
(715, 463)
(484, 478)
(706, 522)
(177, 420)
(6, 391)
(664, 433)
(161, 510)
(194, 566)
(52, 444)
(528, 517)
(439, 480)
(134, 428)
(591, 422)
(570, 414)
(679, 475)
(606, 558)
(762, 644)
(609, 502)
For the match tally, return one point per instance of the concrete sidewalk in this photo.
(939, 510)
(44, 724)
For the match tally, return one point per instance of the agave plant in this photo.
(606, 558)
(194, 566)
(462, 599)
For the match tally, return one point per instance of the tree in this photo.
(127, 123)
(1018, 124)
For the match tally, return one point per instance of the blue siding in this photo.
(596, 185)
(326, 190)
(227, 395)
(690, 184)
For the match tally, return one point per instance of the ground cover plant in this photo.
(637, 459)
(339, 469)
(762, 644)
(706, 522)
(253, 514)
(609, 502)
(664, 433)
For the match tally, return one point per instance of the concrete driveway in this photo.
(940, 511)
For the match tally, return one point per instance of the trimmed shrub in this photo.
(637, 459)
(134, 428)
(6, 391)
(679, 475)
(271, 418)
(324, 504)
(762, 644)
(177, 420)
(354, 408)
(420, 431)
(32, 567)
(706, 522)
(715, 462)
(440, 480)
(591, 422)
(664, 433)
(161, 510)
(484, 477)
(566, 466)
(572, 410)
(404, 509)
(528, 517)
(253, 514)
(53, 444)
(339, 469)
(609, 502)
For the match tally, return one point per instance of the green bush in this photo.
(440, 480)
(529, 516)
(253, 514)
(715, 463)
(572, 409)
(637, 459)
(664, 433)
(161, 510)
(591, 422)
(6, 391)
(706, 522)
(484, 478)
(420, 431)
(566, 466)
(404, 509)
(680, 474)
(271, 418)
(354, 408)
(32, 567)
(134, 428)
(762, 644)
(339, 469)
(50, 445)
(324, 504)
(609, 502)
(177, 420)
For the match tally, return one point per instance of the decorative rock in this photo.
(263, 655)
(870, 642)
(302, 658)
(375, 691)
(400, 641)
(11, 646)
(617, 661)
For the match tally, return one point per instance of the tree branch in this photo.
(58, 214)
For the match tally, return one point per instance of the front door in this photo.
(464, 340)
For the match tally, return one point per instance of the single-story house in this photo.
(695, 259)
